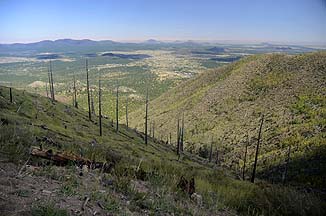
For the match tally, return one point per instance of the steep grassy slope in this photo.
(143, 181)
(225, 105)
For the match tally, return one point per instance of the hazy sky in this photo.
(247, 20)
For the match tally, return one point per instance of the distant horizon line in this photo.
(166, 40)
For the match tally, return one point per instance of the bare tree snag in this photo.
(52, 82)
(92, 102)
(46, 89)
(117, 108)
(182, 132)
(75, 92)
(99, 105)
(286, 165)
(257, 150)
(211, 151)
(178, 137)
(10, 94)
(245, 158)
(88, 95)
(146, 116)
(153, 125)
(127, 123)
(49, 76)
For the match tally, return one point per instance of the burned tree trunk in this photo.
(211, 151)
(75, 93)
(127, 123)
(153, 125)
(46, 89)
(99, 105)
(257, 150)
(170, 138)
(92, 102)
(117, 108)
(286, 166)
(245, 158)
(52, 82)
(10, 94)
(182, 133)
(146, 116)
(88, 95)
(49, 76)
(178, 137)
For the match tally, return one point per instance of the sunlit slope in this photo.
(225, 104)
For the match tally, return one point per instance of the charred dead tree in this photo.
(99, 105)
(49, 77)
(10, 94)
(153, 129)
(245, 158)
(170, 138)
(88, 94)
(211, 151)
(117, 108)
(52, 83)
(182, 132)
(286, 165)
(178, 137)
(257, 149)
(92, 102)
(127, 123)
(75, 92)
(46, 89)
(146, 117)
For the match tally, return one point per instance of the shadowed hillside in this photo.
(225, 105)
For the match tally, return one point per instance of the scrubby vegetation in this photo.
(224, 106)
(143, 180)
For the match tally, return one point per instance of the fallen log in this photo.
(63, 158)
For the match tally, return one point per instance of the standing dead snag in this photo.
(75, 92)
(245, 158)
(182, 132)
(46, 89)
(92, 102)
(117, 108)
(257, 149)
(10, 94)
(49, 76)
(99, 105)
(88, 95)
(153, 125)
(127, 123)
(286, 165)
(211, 151)
(178, 137)
(146, 116)
(52, 85)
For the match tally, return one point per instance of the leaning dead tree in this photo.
(117, 108)
(257, 149)
(100, 105)
(75, 92)
(127, 123)
(88, 95)
(153, 126)
(146, 116)
(245, 158)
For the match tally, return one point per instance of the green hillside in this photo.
(143, 179)
(226, 104)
